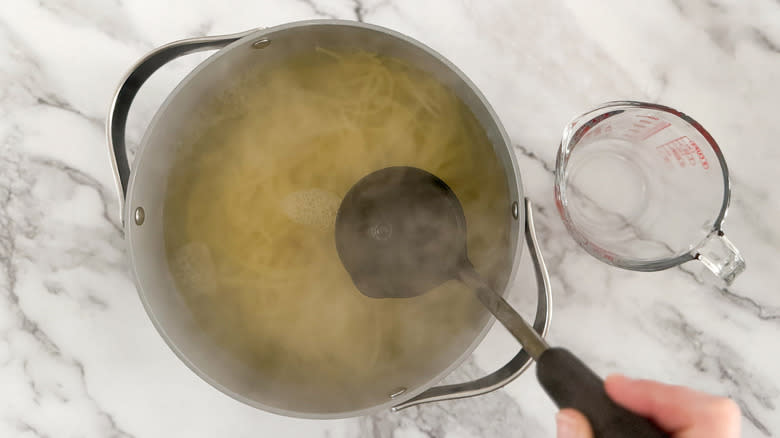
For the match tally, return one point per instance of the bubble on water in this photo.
(315, 207)
(193, 267)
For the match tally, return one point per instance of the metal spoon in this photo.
(401, 231)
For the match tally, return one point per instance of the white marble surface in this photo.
(79, 357)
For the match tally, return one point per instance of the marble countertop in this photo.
(80, 358)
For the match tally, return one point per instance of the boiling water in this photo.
(249, 223)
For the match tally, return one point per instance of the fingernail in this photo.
(567, 425)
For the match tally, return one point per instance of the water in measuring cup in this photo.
(609, 188)
(625, 196)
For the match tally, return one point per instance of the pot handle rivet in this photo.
(261, 44)
(397, 392)
(116, 122)
(139, 216)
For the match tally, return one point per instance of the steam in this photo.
(252, 235)
(193, 268)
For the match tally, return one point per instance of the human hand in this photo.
(680, 411)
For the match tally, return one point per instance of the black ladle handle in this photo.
(571, 384)
(565, 378)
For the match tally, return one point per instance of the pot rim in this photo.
(514, 184)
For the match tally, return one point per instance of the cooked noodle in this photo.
(250, 208)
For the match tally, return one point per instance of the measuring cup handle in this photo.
(720, 256)
(522, 360)
(128, 88)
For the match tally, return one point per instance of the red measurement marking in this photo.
(658, 127)
(704, 163)
(684, 152)
(580, 133)
(603, 253)
(645, 127)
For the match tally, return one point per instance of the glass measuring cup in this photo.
(644, 187)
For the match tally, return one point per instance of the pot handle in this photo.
(522, 360)
(127, 90)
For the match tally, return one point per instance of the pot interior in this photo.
(240, 175)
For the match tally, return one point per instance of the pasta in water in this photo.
(249, 215)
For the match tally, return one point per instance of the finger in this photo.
(572, 424)
(667, 405)
(673, 408)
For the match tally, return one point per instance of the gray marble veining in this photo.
(79, 357)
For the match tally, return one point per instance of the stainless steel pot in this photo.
(142, 199)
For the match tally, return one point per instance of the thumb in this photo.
(572, 424)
